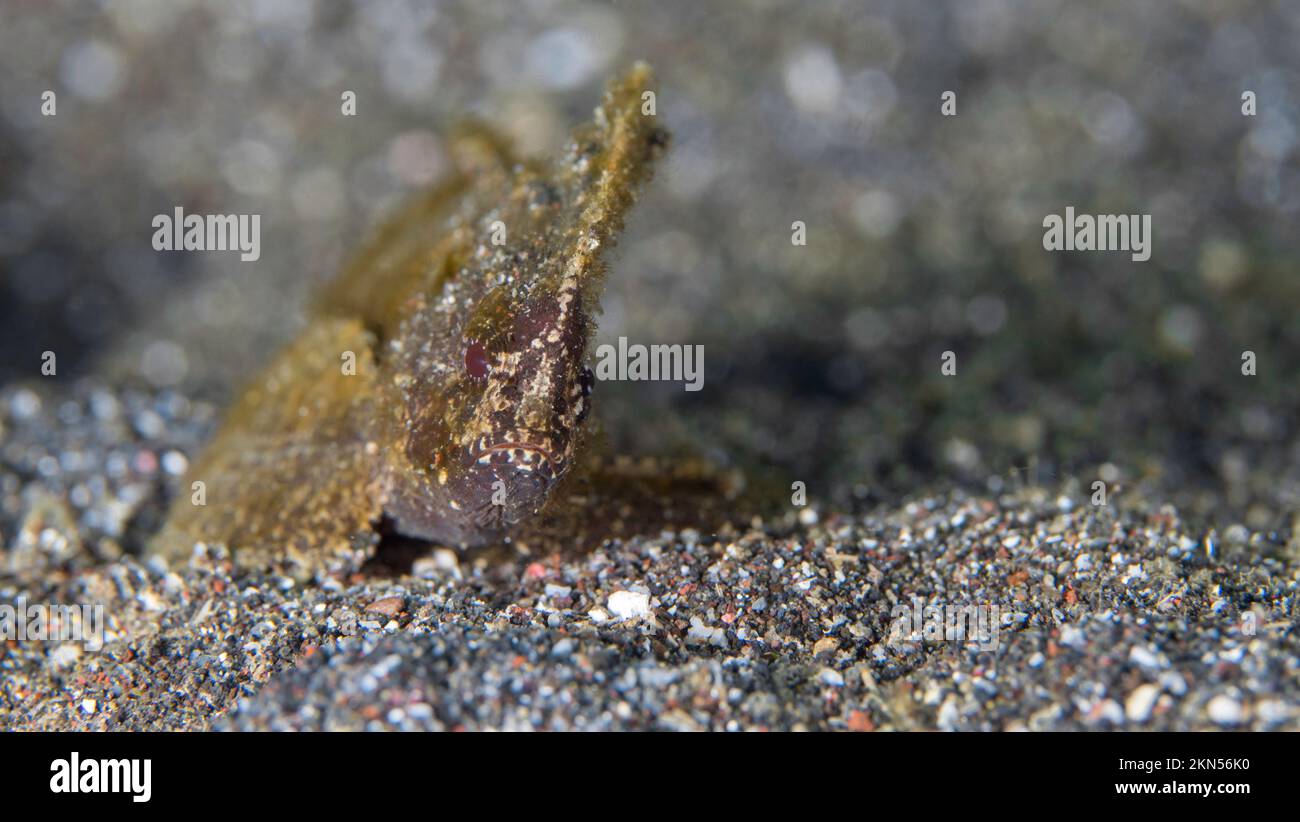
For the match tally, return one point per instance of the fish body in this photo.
(441, 385)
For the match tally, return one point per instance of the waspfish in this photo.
(441, 384)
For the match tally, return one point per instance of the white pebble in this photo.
(1224, 710)
(151, 602)
(64, 655)
(175, 463)
(1273, 711)
(1072, 637)
(948, 715)
(628, 604)
(24, 404)
(1141, 702)
(701, 634)
(1144, 658)
(1109, 711)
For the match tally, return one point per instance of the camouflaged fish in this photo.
(441, 385)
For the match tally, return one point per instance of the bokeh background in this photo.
(822, 361)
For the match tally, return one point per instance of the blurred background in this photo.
(924, 232)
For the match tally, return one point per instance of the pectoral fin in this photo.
(291, 480)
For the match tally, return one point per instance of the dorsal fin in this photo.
(420, 244)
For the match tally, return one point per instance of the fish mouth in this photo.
(521, 455)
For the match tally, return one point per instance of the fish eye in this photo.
(476, 361)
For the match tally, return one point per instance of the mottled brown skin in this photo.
(471, 390)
